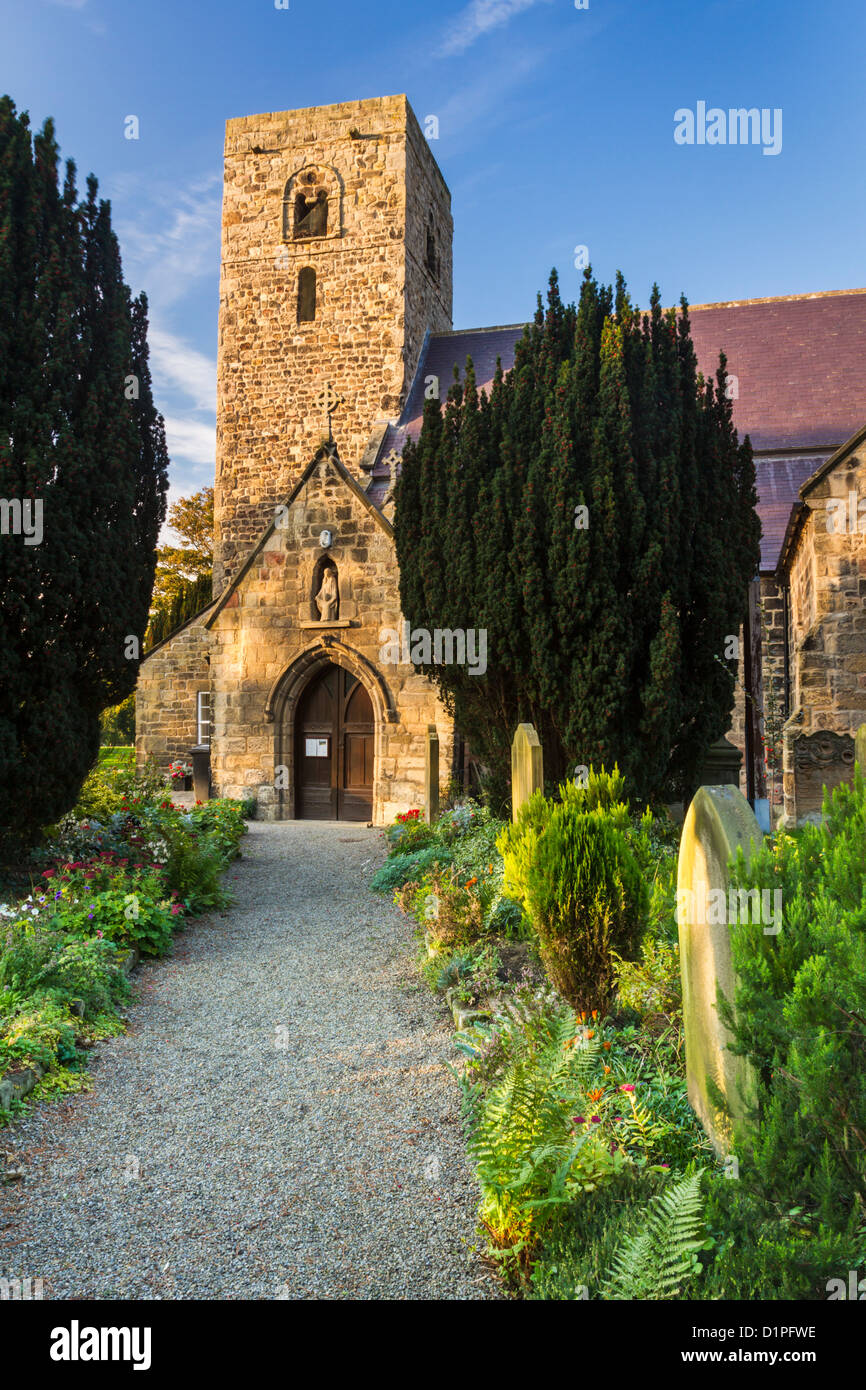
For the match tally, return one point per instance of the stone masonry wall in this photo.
(828, 636)
(382, 182)
(265, 630)
(773, 641)
(166, 695)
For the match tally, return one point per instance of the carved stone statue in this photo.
(327, 600)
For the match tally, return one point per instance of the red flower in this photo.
(49, 873)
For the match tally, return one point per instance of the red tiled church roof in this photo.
(800, 364)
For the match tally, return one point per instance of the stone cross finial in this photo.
(329, 400)
(393, 460)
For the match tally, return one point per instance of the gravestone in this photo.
(821, 759)
(201, 771)
(431, 775)
(718, 822)
(527, 767)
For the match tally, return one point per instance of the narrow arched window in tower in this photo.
(307, 295)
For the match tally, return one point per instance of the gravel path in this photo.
(277, 1123)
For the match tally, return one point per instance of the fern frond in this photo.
(655, 1263)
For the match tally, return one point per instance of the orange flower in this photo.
(606, 1047)
(469, 882)
(594, 1014)
(607, 1071)
(595, 1095)
(582, 1017)
(591, 1033)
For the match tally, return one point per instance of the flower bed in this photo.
(112, 882)
(596, 1179)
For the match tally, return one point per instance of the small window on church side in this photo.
(203, 717)
(307, 295)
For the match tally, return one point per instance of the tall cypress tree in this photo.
(609, 636)
(80, 438)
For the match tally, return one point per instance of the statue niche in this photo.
(327, 597)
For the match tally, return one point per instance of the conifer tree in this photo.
(597, 517)
(81, 443)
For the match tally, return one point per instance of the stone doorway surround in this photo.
(334, 747)
(282, 706)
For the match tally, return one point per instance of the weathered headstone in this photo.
(527, 766)
(431, 775)
(201, 772)
(718, 822)
(822, 760)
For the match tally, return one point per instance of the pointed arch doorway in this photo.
(334, 744)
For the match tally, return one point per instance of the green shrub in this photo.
(587, 899)
(451, 912)
(109, 785)
(800, 1006)
(763, 1249)
(223, 821)
(87, 971)
(39, 1034)
(516, 841)
(653, 983)
(410, 833)
(403, 868)
(40, 959)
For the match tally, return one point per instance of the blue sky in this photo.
(556, 129)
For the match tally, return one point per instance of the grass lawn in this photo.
(118, 756)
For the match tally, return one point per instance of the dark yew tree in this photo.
(597, 517)
(82, 451)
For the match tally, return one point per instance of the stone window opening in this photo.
(310, 208)
(325, 591)
(307, 295)
(312, 204)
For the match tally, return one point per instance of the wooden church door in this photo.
(334, 749)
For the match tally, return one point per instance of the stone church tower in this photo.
(336, 262)
(336, 273)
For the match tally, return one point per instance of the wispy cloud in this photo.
(175, 237)
(464, 116)
(170, 241)
(480, 18)
(184, 368)
(192, 440)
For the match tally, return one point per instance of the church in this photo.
(335, 325)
